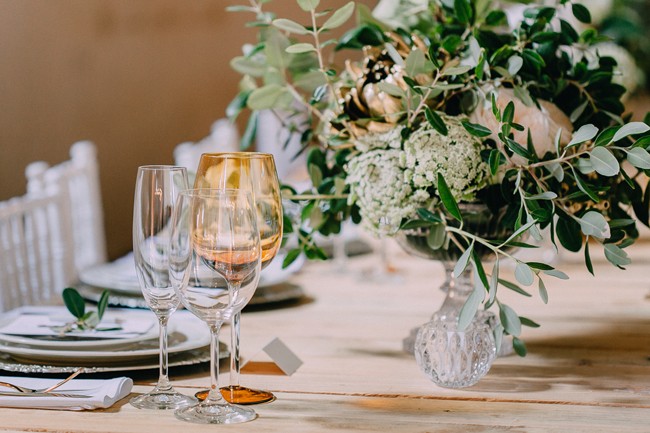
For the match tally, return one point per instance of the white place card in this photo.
(282, 360)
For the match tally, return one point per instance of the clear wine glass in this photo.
(254, 172)
(386, 272)
(157, 188)
(215, 237)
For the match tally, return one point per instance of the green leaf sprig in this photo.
(85, 320)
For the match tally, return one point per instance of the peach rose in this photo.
(543, 122)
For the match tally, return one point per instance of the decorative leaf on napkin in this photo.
(75, 303)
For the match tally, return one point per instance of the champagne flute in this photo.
(215, 237)
(157, 187)
(254, 172)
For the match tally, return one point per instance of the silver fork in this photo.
(25, 390)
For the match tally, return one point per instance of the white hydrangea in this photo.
(379, 188)
(389, 180)
(383, 140)
(457, 156)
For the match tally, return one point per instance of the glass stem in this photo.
(214, 395)
(163, 374)
(234, 348)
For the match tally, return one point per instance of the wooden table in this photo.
(588, 367)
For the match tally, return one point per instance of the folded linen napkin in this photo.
(98, 393)
(46, 321)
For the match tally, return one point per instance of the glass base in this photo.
(240, 395)
(162, 400)
(215, 414)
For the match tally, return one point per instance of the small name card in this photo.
(283, 360)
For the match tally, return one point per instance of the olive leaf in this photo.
(74, 302)
(448, 199)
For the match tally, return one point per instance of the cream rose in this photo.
(543, 121)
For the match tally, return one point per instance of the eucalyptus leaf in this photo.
(469, 309)
(391, 89)
(299, 48)
(556, 171)
(548, 195)
(524, 274)
(265, 97)
(394, 54)
(543, 293)
(457, 70)
(462, 262)
(616, 255)
(585, 133)
(339, 17)
(308, 5)
(514, 64)
(494, 284)
(639, 157)
(575, 114)
(519, 346)
(557, 274)
(632, 128)
(604, 162)
(594, 224)
(247, 66)
(515, 288)
(290, 26)
(519, 232)
(585, 166)
(510, 320)
(415, 63)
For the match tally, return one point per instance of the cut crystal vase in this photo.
(449, 356)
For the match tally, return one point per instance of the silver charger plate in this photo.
(190, 357)
(263, 295)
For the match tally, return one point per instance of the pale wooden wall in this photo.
(135, 77)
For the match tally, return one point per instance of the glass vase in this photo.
(448, 356)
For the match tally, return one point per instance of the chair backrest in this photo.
(78, 180)
(36, 258)
(223, 138)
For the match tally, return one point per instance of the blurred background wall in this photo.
(135, 77)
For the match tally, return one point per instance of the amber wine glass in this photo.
(254, 172)
(215, 237)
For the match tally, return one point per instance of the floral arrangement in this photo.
(424, 106)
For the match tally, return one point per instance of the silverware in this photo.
(42, 394)
(26, 390)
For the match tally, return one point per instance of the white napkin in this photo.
(103, 393)
(42, 321)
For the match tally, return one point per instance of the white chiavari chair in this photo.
(36, 260)
(78, 180)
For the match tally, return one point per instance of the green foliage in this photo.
(416, 69)
(76, 305)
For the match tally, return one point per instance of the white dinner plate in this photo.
(187, 333)
(77, 341)
(120, 275)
